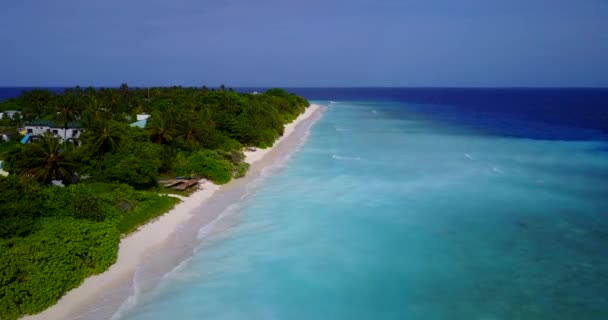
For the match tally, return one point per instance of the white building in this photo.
(39, 128)
(142, 116)
(9, 113)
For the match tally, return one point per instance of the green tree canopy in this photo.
(45, 160)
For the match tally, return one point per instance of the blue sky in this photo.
(304, 43)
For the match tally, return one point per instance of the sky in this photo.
(313, 43)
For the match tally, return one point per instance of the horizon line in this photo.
(319, 87)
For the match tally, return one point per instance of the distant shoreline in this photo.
(134, 247)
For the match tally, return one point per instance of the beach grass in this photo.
(145, 212)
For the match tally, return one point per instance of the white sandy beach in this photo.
(254, 156)
(133, 248)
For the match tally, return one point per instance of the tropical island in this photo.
(84, 168)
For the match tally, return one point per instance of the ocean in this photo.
(480, 204)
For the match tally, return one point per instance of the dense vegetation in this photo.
(51, 238)
(187, 124)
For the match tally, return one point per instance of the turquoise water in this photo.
(387, 214)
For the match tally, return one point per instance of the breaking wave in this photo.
(337, 157)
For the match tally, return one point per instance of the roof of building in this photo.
(52, 124)
(140, 123)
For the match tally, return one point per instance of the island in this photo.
(88, 167)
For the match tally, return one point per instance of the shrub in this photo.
(20, 206)
(87, 205)
(154, 206)
(39, 269)
(228, 144)
(76, 201)
(240, 169)
(136, 165)
(207, 163)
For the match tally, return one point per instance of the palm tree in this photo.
(94, 111)
(125, 98)
(67, 112)
(206, 116)
(104, 136)
(124, 89)
(48, 160)
(187, 124)
(161, 128)
(189, 131)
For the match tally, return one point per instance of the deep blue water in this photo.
(481, 204)
(560, 114)
(13, 92)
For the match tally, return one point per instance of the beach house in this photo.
(38, 128)
(9, 113)
(142, 119)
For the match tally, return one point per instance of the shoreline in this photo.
(136, 247)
